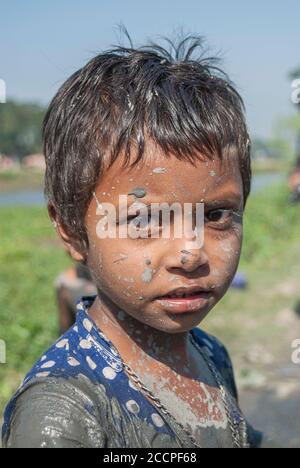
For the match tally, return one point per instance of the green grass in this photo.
(270, 226)
(31, 258)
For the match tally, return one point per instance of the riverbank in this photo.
(257, 325)
(23, 179)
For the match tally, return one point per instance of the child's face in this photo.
(133, 273)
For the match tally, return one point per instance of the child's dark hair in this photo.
(186, 104)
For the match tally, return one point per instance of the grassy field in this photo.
(31, 258)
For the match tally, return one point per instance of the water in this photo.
(33, 198)
(36, 198)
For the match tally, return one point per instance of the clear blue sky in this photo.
(43, 42)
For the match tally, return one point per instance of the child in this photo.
(135, 370)
(70, 285)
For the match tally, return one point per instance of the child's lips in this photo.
(180, 305)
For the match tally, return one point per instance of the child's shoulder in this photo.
(60, 412)
(82, 352)
(213, 346)
(74, 365)
(83, 349)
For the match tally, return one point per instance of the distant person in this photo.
(294, 177)
(135, 370)
(70, 286)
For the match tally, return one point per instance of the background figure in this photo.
(70, 286)
(294, 178)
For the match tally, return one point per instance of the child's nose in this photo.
(187, 259)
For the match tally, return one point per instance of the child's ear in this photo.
(73, 246)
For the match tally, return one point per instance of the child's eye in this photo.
(220, 218)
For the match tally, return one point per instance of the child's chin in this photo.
(179, 323)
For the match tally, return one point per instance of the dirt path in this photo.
(275, 409)
(272, 400)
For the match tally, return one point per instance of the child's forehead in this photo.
(160, 176)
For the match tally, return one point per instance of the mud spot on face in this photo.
(174, 278)
(159, 170)
(226, 246)
(148, 261)
(147, 275)
(138, 192)
(184, 260)
(122, 258)
(186, 252)
(99, 206)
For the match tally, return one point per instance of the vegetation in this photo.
(20, 128)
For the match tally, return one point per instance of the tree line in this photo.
(20, 128)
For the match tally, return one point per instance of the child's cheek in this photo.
(119, 272)
(225, 255)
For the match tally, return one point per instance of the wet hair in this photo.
(184, 102)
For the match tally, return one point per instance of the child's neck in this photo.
(137, 342)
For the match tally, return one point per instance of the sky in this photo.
(43, 42)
